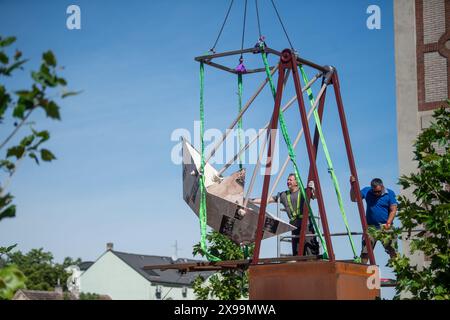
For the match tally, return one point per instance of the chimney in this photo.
(58, 287)
(109, 246)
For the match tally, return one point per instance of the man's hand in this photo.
(352, 192)
(312, 188)
(386, 226)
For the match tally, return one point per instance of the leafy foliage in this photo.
(41, 272)
(223, 285)
(4, 254)
(428, 210)
(11, 280)
(89, 296)
(21, 104)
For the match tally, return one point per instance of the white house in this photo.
(121, 276)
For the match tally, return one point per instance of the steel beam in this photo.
(273, 127)
(351, 162)
(311, 154)
(305, 217)
(300, 61)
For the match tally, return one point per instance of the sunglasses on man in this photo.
(377, 192)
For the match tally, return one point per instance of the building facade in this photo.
(422, 54)
(121, 276)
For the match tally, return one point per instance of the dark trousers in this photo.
(311, 245)
(389, 247)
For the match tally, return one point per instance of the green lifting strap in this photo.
(202, 210)
(240, 137)
(330, 164)
(245, 251)
(239, 125)
(292, 155)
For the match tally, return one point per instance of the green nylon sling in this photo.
(239, 125)
(292, 155)
(245, 249)
(329, 163)
(202, 210)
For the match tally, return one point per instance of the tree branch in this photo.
(16, 129)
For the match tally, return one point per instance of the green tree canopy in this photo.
(40, 269)
(427, 209)
(227, 284)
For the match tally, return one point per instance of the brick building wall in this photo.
(422, 59)
(432, 19)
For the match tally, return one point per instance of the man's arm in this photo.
(392, 213)
(392, 209)
(258, 200)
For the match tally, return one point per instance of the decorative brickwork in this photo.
(433, 54)
(435, 67)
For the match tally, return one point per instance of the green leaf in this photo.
(36, 76)
(44, 76)
(16, 151)
(5, 200)
(5, 99)
(45, 135)
(3, 58)
(7, 164)
(9, 212)
(52, 110)
(62, 81)
(15, 65)
(26, 94)
(42, 135)
(28, 103)
(11, 280)
(46, 155)
(49, 58)
(7, 41)
(26, 141)
(6, 250)
(19, 111)
(70, 93)
(32, 155)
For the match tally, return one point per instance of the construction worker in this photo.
(381, 207)
(293, 203)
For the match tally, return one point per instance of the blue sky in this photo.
(114, 180)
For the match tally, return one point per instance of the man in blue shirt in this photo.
(381, 207)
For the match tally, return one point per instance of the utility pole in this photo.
(175, 246)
